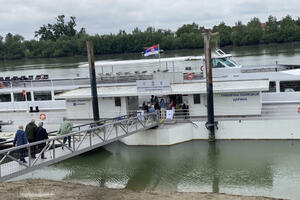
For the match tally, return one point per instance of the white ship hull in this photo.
(227, 130)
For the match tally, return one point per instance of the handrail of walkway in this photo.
(80, 141)
(70, 134)
(79, 127)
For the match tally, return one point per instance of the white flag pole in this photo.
(159, 57)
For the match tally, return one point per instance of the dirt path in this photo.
(34, 189)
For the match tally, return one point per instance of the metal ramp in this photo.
(89, 137)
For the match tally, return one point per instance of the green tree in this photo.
(55, 31)
(190, 41)
(238, 34)
(287, 30)
(188, 28)
(271, 33)
(13, 46)
(254, 32)
(32, 49)
(2, 48)
(224, 33)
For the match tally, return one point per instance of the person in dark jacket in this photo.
(152, 100)
(20, 139)
(31, 135)
(185, 109)
(145, 107)
(41, 135)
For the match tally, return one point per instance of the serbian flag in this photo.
(152, 50)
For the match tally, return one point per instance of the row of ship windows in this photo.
(285, 86)
(46, 96)
(38, 96)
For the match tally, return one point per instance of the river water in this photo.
(263, 168)
(74, 67)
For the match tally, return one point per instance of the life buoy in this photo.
(189, 76)
(42, 76)
(298, 109)
(1, 85)
(201, 68)
(42, 116)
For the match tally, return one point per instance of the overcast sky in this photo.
(109, 16)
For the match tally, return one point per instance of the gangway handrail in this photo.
(82, 141)
(52, 133)
(61, 136)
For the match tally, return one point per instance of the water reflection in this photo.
(200, 163)
(269, 168)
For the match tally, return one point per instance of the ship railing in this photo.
(97, 134)
(45, 83)
(286, 112)
(73, 82)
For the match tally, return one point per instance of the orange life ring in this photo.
(189, 76)
(201, 68)
(298, 109)
(42, 116)
(1, 85)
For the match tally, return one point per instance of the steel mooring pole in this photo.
(210, 124)
(90, 51)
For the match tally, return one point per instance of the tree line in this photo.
(63, 39)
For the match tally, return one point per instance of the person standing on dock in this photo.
(152, 112)
(145, 107)
(41, 135)
(162, 106)
(20, 139)
(65, 128)
(30, 130)
(152, 100)
(185, 109)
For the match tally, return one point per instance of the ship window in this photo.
(21, 97)
(57, 92)
(228, 62)
(197, 99)
(5, 98)
(216, 63)
(289, 86)
(272, 87)
(117, 101)
(42, 96)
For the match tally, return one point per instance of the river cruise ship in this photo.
(248, 104)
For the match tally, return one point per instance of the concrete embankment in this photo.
(34, 189)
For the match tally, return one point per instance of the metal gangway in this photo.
(85, 138)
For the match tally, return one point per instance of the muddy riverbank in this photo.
(34, 189)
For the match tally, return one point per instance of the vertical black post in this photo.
(90, 51)
(209, 87)
(213, 163)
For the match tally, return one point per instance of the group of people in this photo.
(156, 104)
(31, 134)
(34, 133)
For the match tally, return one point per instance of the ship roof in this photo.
(143, 61)
(185, 88)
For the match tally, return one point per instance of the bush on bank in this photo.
(62, 39)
